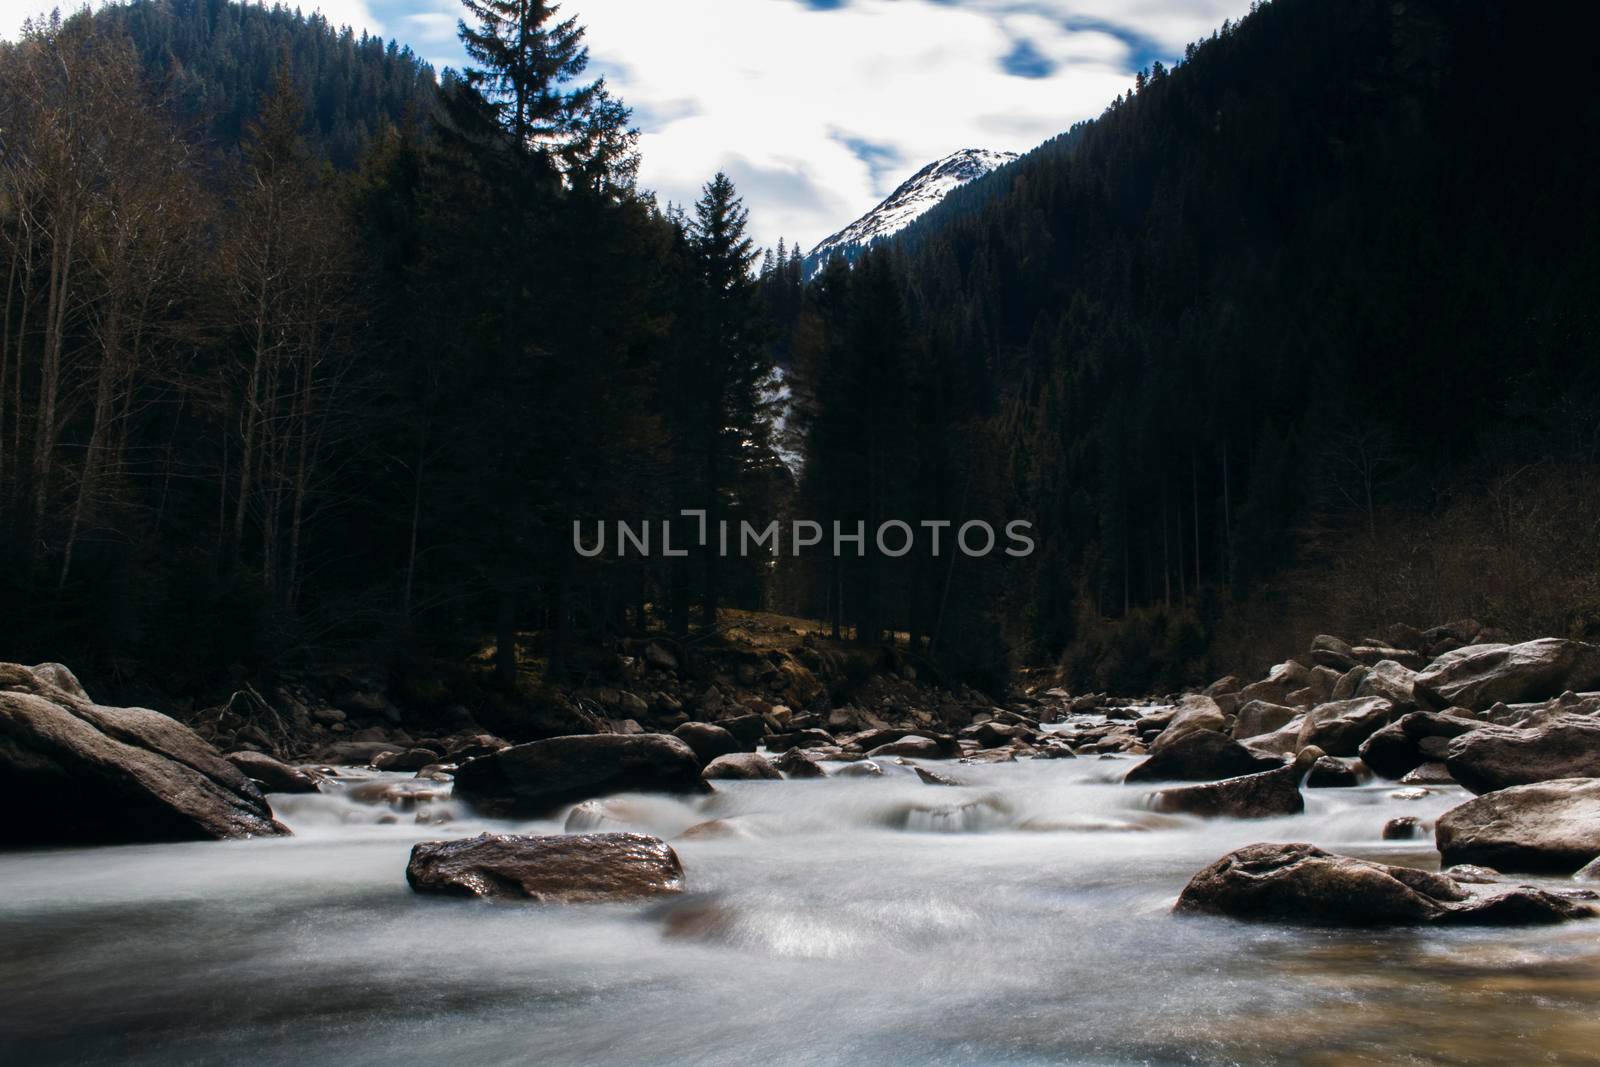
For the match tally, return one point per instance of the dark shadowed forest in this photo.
(310, 355)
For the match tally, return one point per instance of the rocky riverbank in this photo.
(1518, 725)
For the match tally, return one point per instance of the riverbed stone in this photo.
(1549, 827)
(1497, 757)
(708, 740)
(1251, 796)
(1198, 756)
(274, 776)
(1261, 717)
(1480, 676)
(1339, 727)
(1395, 749)
(96, 774)
(1300, 883)
(558, 868)
(741, 767)
(797, 763)
(526, 781)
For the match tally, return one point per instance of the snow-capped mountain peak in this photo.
(914, 198)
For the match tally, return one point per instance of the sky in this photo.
(818, 108)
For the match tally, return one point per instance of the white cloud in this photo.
(818, 114)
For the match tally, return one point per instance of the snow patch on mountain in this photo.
(921, 192)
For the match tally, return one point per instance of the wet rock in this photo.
(1198, 756)
(529, 780)
(708, 740)
(1496, 757)
(1259, 717)
(96, 774)
(412, 759)
(274, 776)
(1405, 828)
(1339, 727)
(1589, 872)
(807, 738)
(1428, 774)
(933, 777)
(564, 869)
(795, 763)
(400, 796)
(1470, 874)
(862, 769)
(354, 753)
(714, 830)
(1300, 883)
(1479, 676)
(741, 767)
(1394, 750)
(1549, 827)
(1331, 772)
(912, 746)
(1253, 796)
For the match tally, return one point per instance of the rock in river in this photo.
(1549, 827)
(708, 740)
(274, 776)
(529, 780)
(1300, 883)
(96, 774)
(1253, 796)
(1496, 757)
(1480, 676)
(742, 767)
(560, 868)
(1198, 756)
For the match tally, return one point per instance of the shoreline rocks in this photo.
(1498, 757)
(102, 775)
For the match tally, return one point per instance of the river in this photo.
(1020, 918)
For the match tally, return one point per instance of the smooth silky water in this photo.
(1021, 918)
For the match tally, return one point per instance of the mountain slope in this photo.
(920, 193)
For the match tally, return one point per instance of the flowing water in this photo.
(1022, 917)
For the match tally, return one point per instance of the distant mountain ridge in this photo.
(917, 195)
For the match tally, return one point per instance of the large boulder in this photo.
(1198, 756)
(915, 746)
(1283, 742)
(1300, 883)
(1394, 750)
(274, 776)
(1389, 681)
(1285, 678)
(527, 781)
(1260, 717)
(708, 740)
(1339, 727)
(95, 775)
(1495, 757)
(1549, 827)
(1252, 796)
(741, 767)
(560, 868)
(1479, 676)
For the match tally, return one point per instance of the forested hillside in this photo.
(1299, 334)
(211, 61)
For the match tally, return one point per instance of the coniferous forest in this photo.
(311, 355)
